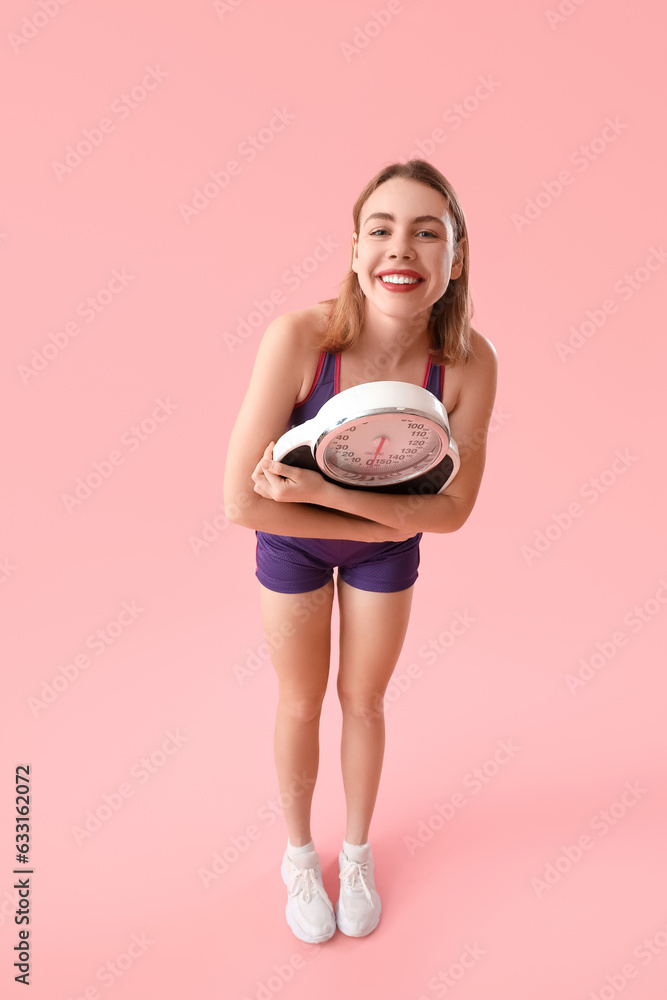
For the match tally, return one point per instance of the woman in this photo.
(403, 314)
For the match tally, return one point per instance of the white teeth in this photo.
(399, 279)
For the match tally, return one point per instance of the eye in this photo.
(427, 232)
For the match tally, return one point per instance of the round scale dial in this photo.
(393, 436)
(375, 450)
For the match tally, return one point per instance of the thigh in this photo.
(296, 566)
(381, 567)
(372, 631)
(298, 632)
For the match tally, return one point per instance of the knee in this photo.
(366, 707)
(300, 709)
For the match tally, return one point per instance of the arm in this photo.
(264, 413)
(444, 512)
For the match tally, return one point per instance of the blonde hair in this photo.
(449, 322)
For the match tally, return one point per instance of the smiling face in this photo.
(405, 226)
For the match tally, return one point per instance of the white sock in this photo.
(310, 846)
(356, 852)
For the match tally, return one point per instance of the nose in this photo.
(400, 247)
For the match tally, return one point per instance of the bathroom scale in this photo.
(390, 436)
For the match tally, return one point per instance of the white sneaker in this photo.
(358, 908)
(309, 911)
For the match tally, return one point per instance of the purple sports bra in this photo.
(327, 380)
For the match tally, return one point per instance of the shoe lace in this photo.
(355, 873)
(304, 880)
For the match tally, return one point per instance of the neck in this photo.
(401, 338)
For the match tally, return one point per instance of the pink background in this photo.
(360, 96)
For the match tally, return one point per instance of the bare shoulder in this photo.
(317, 313)
(302, 327)
(282, 366)
(311, 322)
(481, 370)
(294, 335)
(478, 375)
(484, 353)
(309, 325)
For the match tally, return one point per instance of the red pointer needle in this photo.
(377, 452)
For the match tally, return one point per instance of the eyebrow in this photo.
(392, 218)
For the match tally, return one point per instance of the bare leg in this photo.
(302, 666)
(372, 631)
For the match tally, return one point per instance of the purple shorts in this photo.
(292, 565)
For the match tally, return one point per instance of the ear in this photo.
(355, 252)
(457, 263)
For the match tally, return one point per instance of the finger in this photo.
(267, 456)
(273, 479)
(280, 470)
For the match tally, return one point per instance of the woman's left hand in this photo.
(284, 483)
